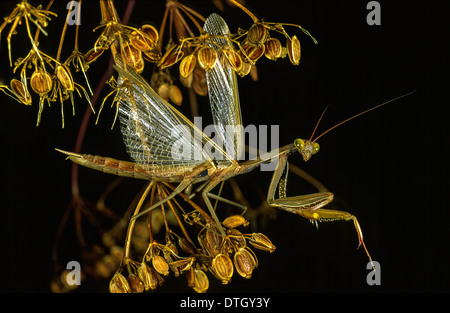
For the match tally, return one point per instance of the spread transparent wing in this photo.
(153, 131)
(223, 92)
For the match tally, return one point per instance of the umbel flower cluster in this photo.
(194, 245)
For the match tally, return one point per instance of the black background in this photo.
(389, 167)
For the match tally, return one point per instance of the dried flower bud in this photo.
(41, 82)
(119, 284)
(160, 265)
(20, 91)
(187, 65)
(245, 262)
(260, 241)
(294, 50)
(65, 77)
(201, 282)
(175, 95)
(273, 49)
(222, 266)
(234, 221)
(136, 284)
(207, 57)
(257, 34)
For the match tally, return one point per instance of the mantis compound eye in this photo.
(299, 144)
(316, 148)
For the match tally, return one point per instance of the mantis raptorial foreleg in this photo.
(308, 206)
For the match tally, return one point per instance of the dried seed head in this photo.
(245, 262)
(65, 77)
(233, 59)
(171, 57)
(149, 276)
(207, 57)
(93, 55)
(257, 34)
(20, 91)
(160, 265)
(187, 65)
(273, 49)
(234, 221)
(201, 282)
(136, 284)
(41, 82)
(294, 50)
(260, 241)
(119, 284)
(222, 266)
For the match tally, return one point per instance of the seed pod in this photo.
(234, 60)
(234, 221)
(132, 57)
(273, 49)
(151, 32)
(294, 50)
(119, 284)
(136, 285)
(175, 95)
(222, 266)
(207, 57)
(257, 34)
(143, 272)
(245, 262)
(199, 85)
(141, 41)
(252, 53)
(163, 91)
(93, 55)
(237, 239)
(187, 65)
(160, 265)
(41, 82)
(20, 91)
(260, 241)
(245, 70)
(201, 282)
(65, 77)
(171, 57)
(186, 246)
(152, 56)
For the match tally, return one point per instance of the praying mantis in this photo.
(150, 128)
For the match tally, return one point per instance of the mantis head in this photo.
(306, 148)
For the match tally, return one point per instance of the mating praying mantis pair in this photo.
(148, 122)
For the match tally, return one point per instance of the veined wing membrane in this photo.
(154, 132)
(223, 92)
